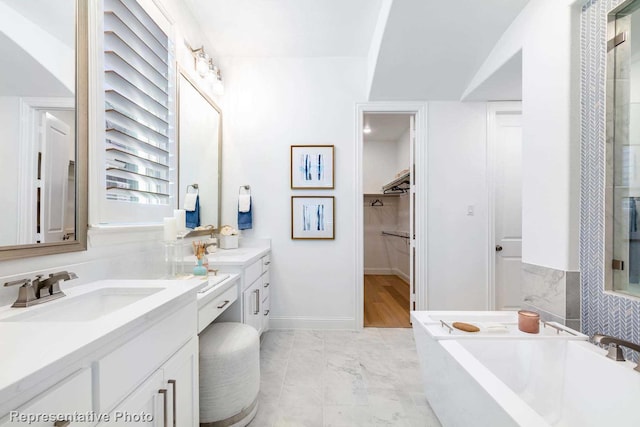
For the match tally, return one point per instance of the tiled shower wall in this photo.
(601, 312)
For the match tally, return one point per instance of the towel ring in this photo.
(194, 186)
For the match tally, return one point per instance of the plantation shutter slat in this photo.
(136, 58)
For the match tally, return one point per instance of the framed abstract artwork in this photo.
(312, 217)
(312, 167)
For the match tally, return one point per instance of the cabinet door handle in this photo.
(266, 285)
(175, 398)
(266, 313)
(62, 423)
(224, 303)
(256, 301)
(163, 392)
(267, 263)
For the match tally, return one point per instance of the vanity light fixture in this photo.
(366, 130)
(201, 61)
(206, 69)
(215, 78)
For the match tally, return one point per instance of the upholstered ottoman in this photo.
(229, 375)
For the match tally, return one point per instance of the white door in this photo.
(412, 215)
(508, 211)
(56, 147)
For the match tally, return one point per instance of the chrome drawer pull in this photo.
(266, 313)
(224, 303)
(257, 301)
(163, 391)
(266, 285)
(174, 385)
(267, 263)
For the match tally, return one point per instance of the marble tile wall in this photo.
(602, 312)
(555, 294)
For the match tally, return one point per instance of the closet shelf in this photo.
(402, 234)
(400, 184)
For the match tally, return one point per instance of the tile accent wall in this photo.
(601, 312)
(555, 294)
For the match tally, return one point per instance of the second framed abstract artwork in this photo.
(312, 167)
(312, 217)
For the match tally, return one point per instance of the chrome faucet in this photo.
(615, 347)
(31, 292)
(51, 284)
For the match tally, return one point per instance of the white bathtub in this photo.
(525, 382)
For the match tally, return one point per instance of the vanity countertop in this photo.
(234, 257)
(37, 352)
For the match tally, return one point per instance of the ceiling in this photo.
(386, 127)
(505, 84)
(22, 75)
(290, 28)
(432, 49)
(55, 17)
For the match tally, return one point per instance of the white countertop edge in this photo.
(232, 257)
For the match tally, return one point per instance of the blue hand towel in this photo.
(193, 217)
(245, 219)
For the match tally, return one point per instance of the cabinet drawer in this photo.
(119, 372)
(69, 396)
(266, 287)
(252, 273)
(265, 314)
(266, 261)
(209, 312)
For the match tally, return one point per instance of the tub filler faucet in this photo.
(615, 347)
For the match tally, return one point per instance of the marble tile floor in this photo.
(341, 379)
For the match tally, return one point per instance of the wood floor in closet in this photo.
(386, 302)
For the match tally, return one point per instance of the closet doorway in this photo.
(388, 140)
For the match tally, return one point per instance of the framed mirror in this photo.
(43, 127)
(199, 150)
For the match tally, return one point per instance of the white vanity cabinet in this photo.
(254, 299)
(69, 395)
(168, 398)
(139, 368)
(161, 370)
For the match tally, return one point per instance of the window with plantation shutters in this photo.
(136, 85)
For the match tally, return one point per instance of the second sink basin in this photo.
(85, 307)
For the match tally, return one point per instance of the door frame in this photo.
(493, 110)
(420, 180)
(30, 109)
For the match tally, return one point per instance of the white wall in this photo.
(547, 32)
(271, 104)
(457, 243)
(9, 140)
(403, 155)
(378, 164)
(379, 252)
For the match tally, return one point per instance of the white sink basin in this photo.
(85, 307)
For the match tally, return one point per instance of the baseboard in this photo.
(379, 271)
(343, 323)
(401, 275)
